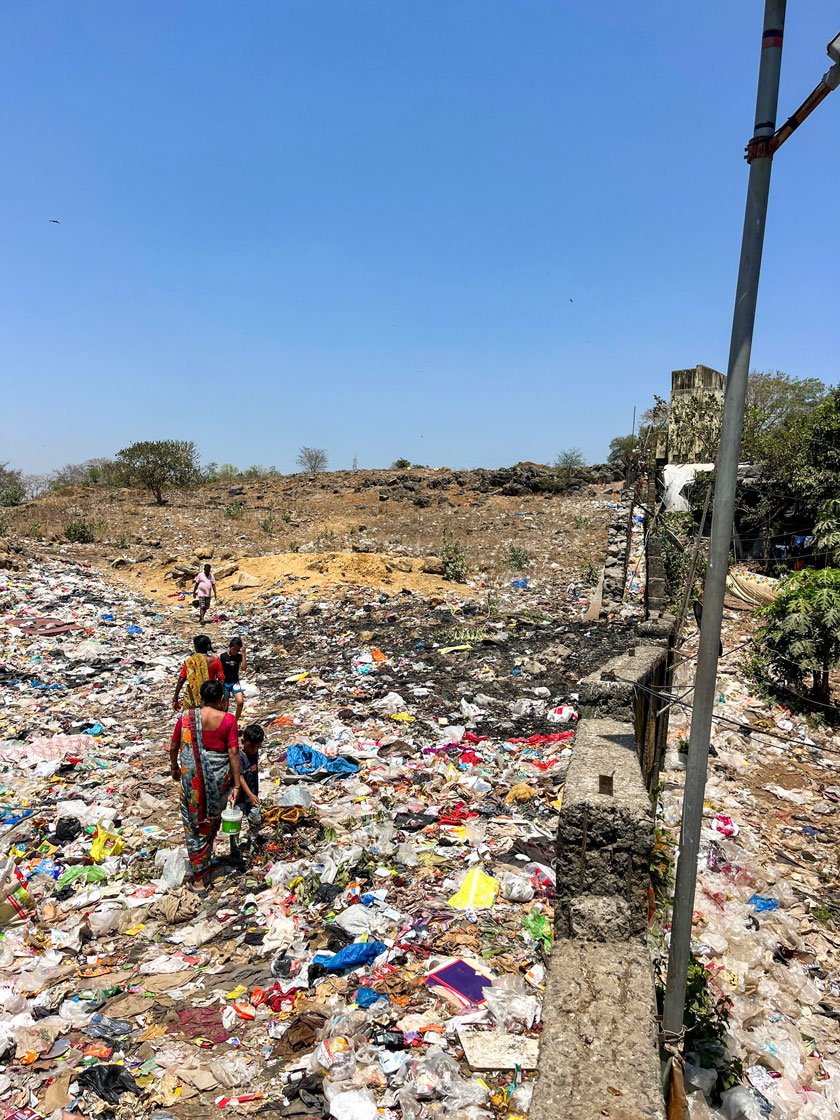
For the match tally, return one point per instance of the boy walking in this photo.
(233, 662)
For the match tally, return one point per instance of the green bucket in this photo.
(231, 822)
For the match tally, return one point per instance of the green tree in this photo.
(800, 635)
(776, 404)
(817, 474)
(12, 486)
(623, 452)
(827, 531)
(156, 465)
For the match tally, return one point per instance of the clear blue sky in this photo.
(359, 225)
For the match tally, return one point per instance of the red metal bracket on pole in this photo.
(762, 147)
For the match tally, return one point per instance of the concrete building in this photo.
(689, 442)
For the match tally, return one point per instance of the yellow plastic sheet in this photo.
(477, 892)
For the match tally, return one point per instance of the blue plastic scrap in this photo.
(367, 996)
(305, 760)
(762, 903)
(351, 956)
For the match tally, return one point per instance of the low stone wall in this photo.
(599, 1054)
(618, 550)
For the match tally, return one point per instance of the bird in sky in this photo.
(55, 221)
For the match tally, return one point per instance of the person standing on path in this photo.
(200, 667)
(205, 589)
(204, 759)
(233, 662)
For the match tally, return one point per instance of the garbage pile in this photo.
(767, 907)
(382, 947)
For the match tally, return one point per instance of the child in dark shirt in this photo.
(234, 662)
(248, 799)
(253, 738)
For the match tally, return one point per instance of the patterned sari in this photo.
(197, 674)
(206, 779)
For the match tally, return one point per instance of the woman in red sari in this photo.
(204, 758)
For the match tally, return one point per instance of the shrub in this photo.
(453, 559)
(12, 486)
(568, 462)
(268, 526)
(80, 531)
(400, 464)
(589, 574)
(519, 557)
(235, 510)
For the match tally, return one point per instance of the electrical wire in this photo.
(726, 719)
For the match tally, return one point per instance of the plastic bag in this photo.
(105, 844)
(306, 760)
(174, 866)
(89, 874)
(106, 918)
(351, 956)
(742, 1103)
(108, 1082)
(355, 1104)
(512, 1011)
(234, 1070)
(336, 1058)
(477, 892)
(539, 927)
(516, 888)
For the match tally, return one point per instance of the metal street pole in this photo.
(726, 477)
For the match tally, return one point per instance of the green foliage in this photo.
(551, 484)
(662, 865)
(589, 574)
(623, 452)
(677, 540)
(4, 522)
(800, 635)
(80, 531)
(268, 526)
(706, 1020)
(156, 465)
(827, 531)
(89, 474)
(453, 559)
(519, 558)
(568, 463)
(235, 510)
(818, 475)
(121, 541)
(579, 521)
(12, 486)
(400, 464)
(775, 405)
(35, 531)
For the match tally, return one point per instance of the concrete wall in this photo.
(599, 1053)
